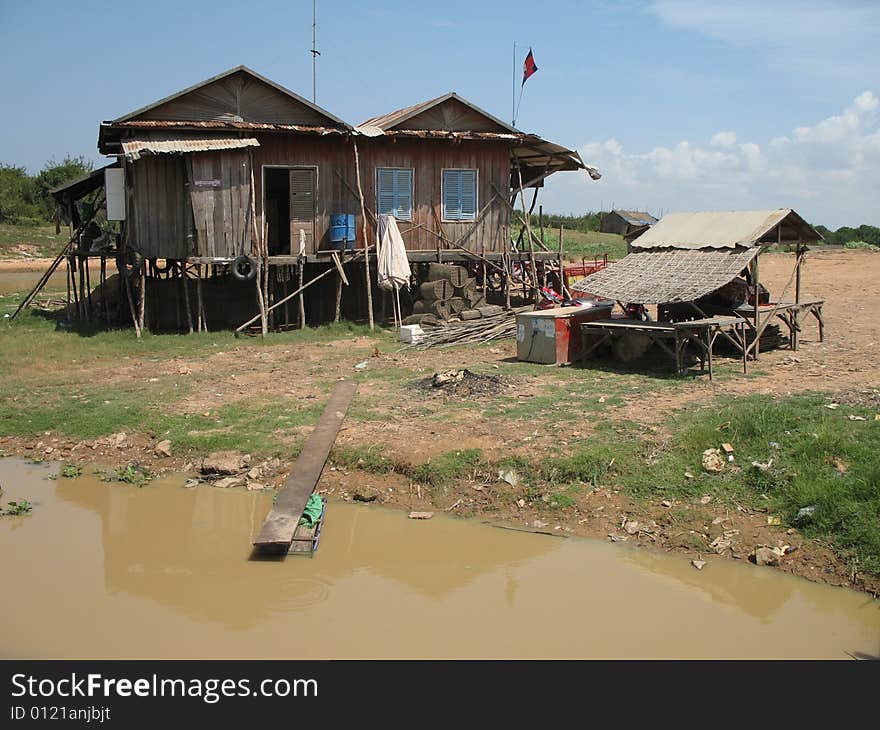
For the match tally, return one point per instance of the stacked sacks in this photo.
(448, 292)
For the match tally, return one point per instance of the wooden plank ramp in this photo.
(277, 532)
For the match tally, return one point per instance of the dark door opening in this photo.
(276, 206)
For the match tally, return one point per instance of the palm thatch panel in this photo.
(667, 275)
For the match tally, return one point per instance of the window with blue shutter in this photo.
(459, 195)
(394, 192)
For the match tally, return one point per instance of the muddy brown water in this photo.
(23, 281)
(111, 570)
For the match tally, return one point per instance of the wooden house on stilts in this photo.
(235, 193)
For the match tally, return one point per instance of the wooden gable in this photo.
(239, 95)
(453, 115)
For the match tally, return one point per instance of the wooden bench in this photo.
(700, 332)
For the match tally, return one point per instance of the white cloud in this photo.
(723, 139)
(829, 171)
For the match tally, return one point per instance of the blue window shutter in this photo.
(459, 195)
(468, 194)
(404, 195)
(394, 192)
(385, 190)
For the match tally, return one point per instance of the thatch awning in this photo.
(134, 148)
(668, 275)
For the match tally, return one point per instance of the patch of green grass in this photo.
(365, 458)
(442, 469)
(40, 239)
(261, 428)
(133, 474)
(71, 471)
(580, 244)
(14, 509)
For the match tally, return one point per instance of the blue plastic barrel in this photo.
(342, 231)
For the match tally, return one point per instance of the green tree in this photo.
(54, 174)
(16, 196)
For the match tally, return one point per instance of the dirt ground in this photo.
(402, 422)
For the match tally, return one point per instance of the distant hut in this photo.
(626, 222)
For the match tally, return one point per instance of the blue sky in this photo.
(682, 104)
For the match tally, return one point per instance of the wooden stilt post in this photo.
(185, 280)
(795, 314)
(505, 259)
(142, 296)
(757, 345)
(261, 303)
(532, 264)
(200, 306)
(68, 287)
(338, 298)
(357, 167)
(563, 289)
(302, 294)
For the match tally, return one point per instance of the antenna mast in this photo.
(315, 51)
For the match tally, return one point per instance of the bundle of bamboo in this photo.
(492, 327)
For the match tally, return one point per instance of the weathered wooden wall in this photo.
(159, 216)
(334, 159)
(220, 190)
(428, 158)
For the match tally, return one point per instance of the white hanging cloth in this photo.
(392, 264)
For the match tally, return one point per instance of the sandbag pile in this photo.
(449, 293)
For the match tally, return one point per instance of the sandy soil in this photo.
(415, 428)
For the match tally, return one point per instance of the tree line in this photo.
(25, 199)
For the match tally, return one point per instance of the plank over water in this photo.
(281, 523)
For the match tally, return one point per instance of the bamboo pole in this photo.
(289, 296)
(357, 167)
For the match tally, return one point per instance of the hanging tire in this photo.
(244, 268)
(129, 261)
(169, 263)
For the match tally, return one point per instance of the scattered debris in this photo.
(666, 503)
(163, 448)
(362, 365)
(509, 476)
(763, 555)
(763, 467)
(705, 499)
(421, 515)
(226, 482)
(804, 514)
(839, 465)
(774, 520)
(698, 564)
(367, 494)
(463, 383)
(856, 418)
(631, 527)
(713, 461)
(222, 463)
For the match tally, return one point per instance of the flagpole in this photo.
(513, 91)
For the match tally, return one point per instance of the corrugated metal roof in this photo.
(636, 217)
(392, 119)
(725, 229)
(662, 276)
(134, 148)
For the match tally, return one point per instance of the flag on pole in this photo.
(529, 67)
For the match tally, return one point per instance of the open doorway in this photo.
(276, 205)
